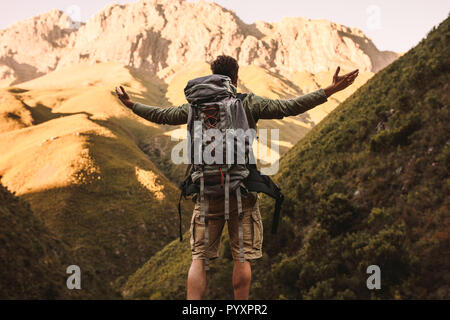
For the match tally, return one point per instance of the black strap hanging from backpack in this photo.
(257, 182)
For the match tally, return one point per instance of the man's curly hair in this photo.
(227, 66)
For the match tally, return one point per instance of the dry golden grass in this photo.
(74, 153)
(97, 174)
(310, 82)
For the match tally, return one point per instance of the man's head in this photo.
(227, 66)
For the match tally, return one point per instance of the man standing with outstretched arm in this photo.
(256, 108)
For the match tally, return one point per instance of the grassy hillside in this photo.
(367, 186)
(370, 186)
(77, 157)
(33, 260)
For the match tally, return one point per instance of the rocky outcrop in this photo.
(156, 35)
(33, 47)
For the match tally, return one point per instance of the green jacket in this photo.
(256, 108)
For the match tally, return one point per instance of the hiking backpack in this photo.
(219, 146)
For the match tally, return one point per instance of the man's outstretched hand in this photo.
(124, 98)
(341, 82)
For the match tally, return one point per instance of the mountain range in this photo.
(157, 36)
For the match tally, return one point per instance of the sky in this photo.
(396, 25)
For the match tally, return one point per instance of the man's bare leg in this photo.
(242, 276)
(196, 281)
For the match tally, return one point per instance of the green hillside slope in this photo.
(33, 261)
(370, 187)
(76, 155)
(367, 186)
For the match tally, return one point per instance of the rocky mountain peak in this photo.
(155, 35)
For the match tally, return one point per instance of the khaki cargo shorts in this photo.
(251, 225)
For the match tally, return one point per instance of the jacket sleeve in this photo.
(263, 108)
(171, 115)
